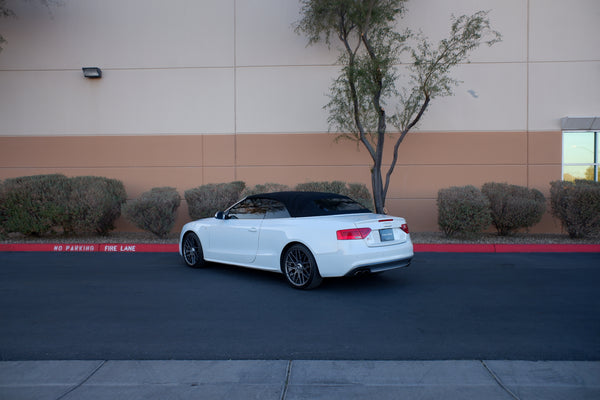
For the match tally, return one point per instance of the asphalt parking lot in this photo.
(443, 307)
(474, 325)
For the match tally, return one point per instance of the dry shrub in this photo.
(462, 211)
(94, 204)
(155, 210)
(37, 205)
(204, 201)
(514, 207)
(266, 188)
(577, 206)
(356, 191)
(34, 205)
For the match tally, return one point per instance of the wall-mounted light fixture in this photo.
(92, 72)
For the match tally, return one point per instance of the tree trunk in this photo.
(377, 186)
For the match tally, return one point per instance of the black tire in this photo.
(191, 250)
(300, 268)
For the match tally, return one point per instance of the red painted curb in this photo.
(507, 248)
(422, 248)
(91, 247)
(454, 248)
(551, 248)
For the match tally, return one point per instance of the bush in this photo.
(34, 205)
(338, 187)
(94, 204)
(462, 210)
(154, 211)
(356, 191)
(3, 212)
(514, 207)
(204, 201)
(577, 206)
(266, 188)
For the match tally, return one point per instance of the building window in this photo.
(580, 155)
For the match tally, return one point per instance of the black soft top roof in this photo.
(312, 204)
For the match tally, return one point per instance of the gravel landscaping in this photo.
(492, 238)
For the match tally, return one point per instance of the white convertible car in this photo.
(307, 236)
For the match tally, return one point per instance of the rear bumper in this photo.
(353, 255)
(380, 267)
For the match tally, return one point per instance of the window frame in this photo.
(595, 164)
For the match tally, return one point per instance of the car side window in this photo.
(247, 209)
(258, 209)
(275, 209)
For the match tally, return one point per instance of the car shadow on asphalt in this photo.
(386, 280)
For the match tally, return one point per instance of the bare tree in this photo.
(370, 58)
(5, 12)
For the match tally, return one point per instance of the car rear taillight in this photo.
(404, 227)
(353, 234)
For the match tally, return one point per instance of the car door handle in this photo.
(253, 229)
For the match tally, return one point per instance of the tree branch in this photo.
(343, 34)
(403, 134)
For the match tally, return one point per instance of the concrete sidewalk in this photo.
(282, 379)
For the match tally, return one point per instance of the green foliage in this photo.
(356, 191)
(462, 211)
(577, 206)
(37, 205)
(33, 205)
(154, 211)
(3, 212)
(94, 204)
(321, 19)
(431, 64)
(370, 54)
(514, 207)
(204, 201)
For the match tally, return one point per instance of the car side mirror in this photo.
(220, 215)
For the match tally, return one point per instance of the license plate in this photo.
(386, 235)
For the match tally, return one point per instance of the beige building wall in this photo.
(199, 92)
(428, 161)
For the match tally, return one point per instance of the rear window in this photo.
(339, 206)
(308, 204)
